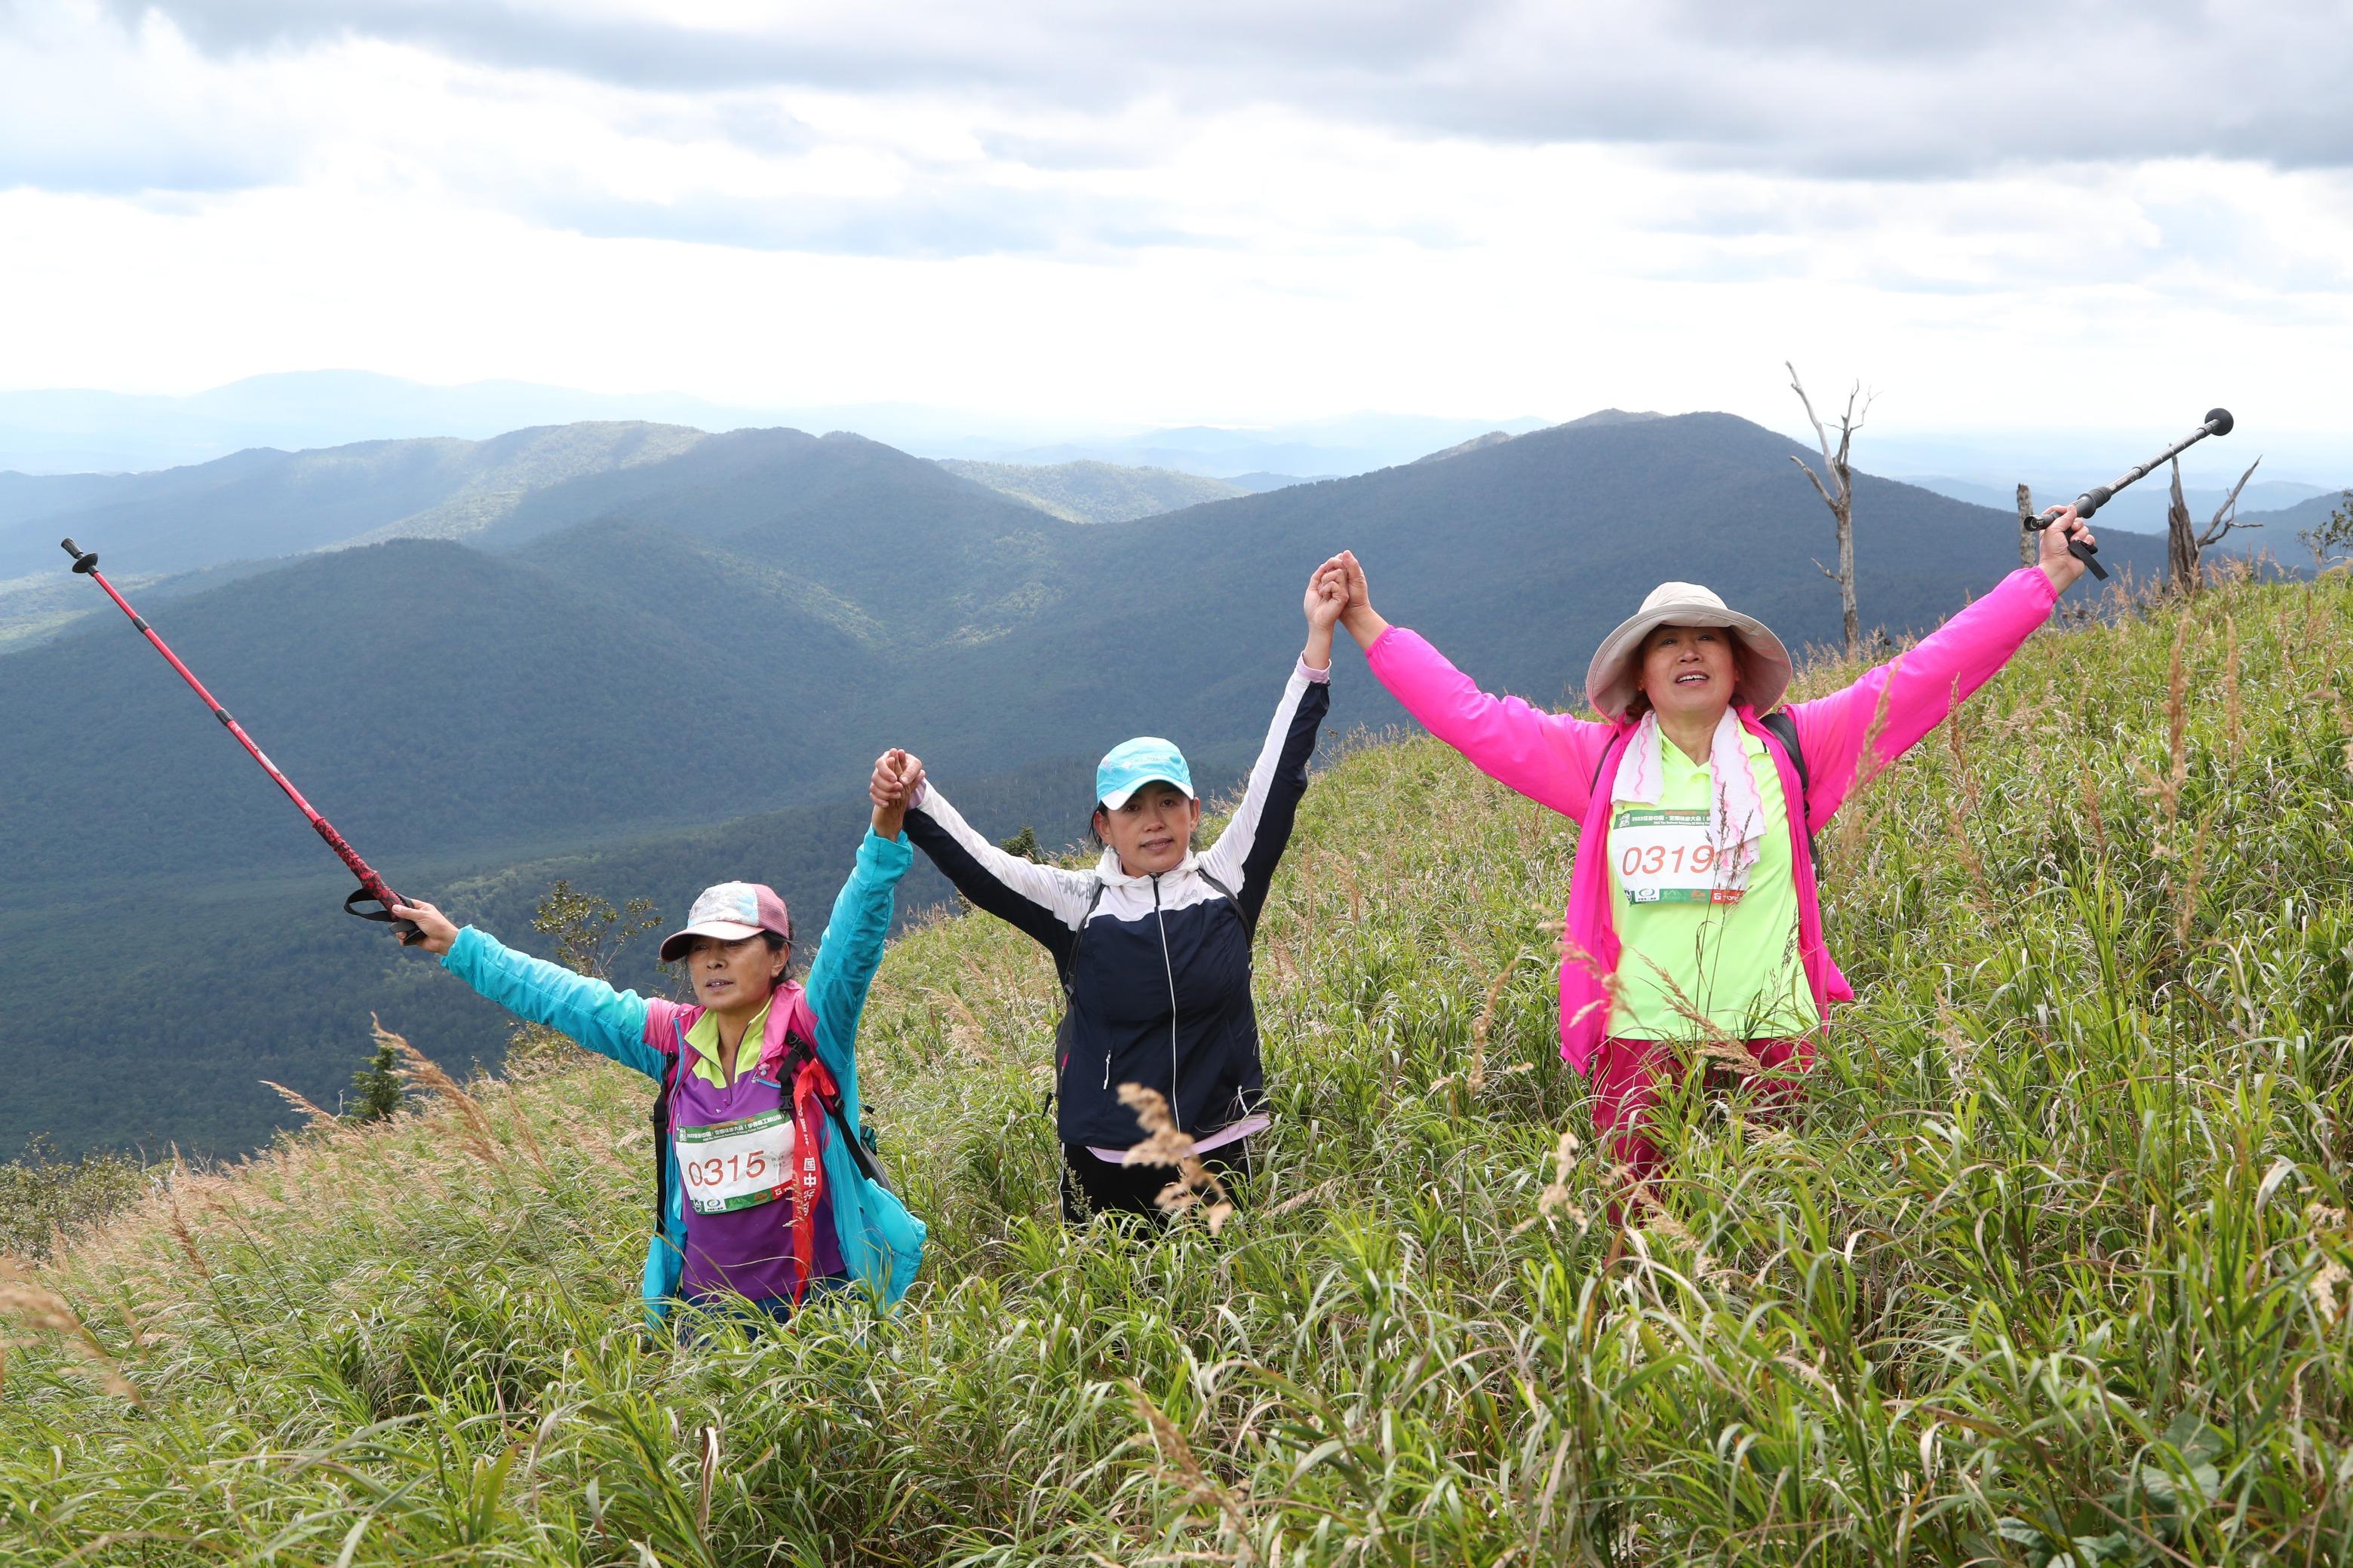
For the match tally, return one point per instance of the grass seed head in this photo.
(473, 1126)
(313, 1116)
(35, 1305)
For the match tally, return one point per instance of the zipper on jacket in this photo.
(1174, 1113)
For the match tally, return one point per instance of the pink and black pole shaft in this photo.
(372, 886)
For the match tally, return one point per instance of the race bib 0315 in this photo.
(736, 1164)
(1663, 856)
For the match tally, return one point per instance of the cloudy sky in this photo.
(2002, 214)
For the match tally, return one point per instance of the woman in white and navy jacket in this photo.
(1153, 943)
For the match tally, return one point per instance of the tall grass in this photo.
(2055, 1268)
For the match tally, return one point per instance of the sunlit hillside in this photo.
(2054, 1270)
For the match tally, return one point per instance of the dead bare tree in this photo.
(2030, 547)
(1838, 495)
(2184, 541)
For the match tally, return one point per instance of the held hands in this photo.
(434, 931)
(898, 780)
(1326, 596)
(2057, 564)
(1342, 578)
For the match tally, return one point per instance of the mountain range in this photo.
(59, 431)
(671, 657)
(1097, 492)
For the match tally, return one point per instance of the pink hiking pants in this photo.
(1629, 1075)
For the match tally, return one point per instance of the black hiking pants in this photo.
(1093, 1185)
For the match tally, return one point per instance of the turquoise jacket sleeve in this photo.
(610, 1022)
(849, 953)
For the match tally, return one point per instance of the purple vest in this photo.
(746, 1251)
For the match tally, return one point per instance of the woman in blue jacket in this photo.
(764, 1194)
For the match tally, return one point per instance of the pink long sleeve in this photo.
(1917, 689)
(1548, 757)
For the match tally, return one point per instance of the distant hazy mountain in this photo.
(1609, 416)
(1259, 483)
(2282, 526)
(263, 503)
(68, 431)
(1353, 445)
(1094, 492)
(72, 431)
(629, 664)
(1491, 438)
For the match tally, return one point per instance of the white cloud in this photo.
(993, 212)
(1803, 85)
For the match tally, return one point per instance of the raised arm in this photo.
(1548, 757)
(851, 949)
(1851, 734)
(610, 1022)
(1246, 853)
(1045, 901)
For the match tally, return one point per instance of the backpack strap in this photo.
(1079, 938)
(1599, 763)
(1250, 926)
(1785, 730)
(1069, 994)
(800, 1055)
(660, 1117)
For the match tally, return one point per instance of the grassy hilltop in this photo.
(2055, 1270)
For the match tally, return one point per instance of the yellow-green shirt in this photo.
(703, 1035)
(1737, 964)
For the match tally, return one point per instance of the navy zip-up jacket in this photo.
(1159, 994)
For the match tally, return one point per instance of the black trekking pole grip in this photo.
(2086, 553)
(372, 889)
(407, 931)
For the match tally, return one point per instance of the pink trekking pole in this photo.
(373, 887)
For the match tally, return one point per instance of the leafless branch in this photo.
(1835, 485)
(2226, 516)
(1811, 473)
(1820, 433)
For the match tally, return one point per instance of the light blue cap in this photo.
(1132, 764)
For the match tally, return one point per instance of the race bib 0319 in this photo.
(1664, 857)
(736, 1164)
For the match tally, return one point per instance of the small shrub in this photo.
(43, 1195)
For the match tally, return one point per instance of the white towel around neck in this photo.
(1737, 821)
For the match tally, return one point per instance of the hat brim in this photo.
(1119, 797)
(674, 945)
(1612, 681)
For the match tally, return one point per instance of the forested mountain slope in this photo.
(2054, 1261)
(639, 660)
(1095, 492)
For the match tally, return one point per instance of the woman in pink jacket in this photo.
(1693, 914)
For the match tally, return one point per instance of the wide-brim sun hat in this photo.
(1613, 679)
(1130, 766)
(730, 911)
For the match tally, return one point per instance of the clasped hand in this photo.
(898, 779)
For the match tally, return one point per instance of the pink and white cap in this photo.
(730, 911)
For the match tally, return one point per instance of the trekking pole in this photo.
(2217, 422)
(371, 886)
